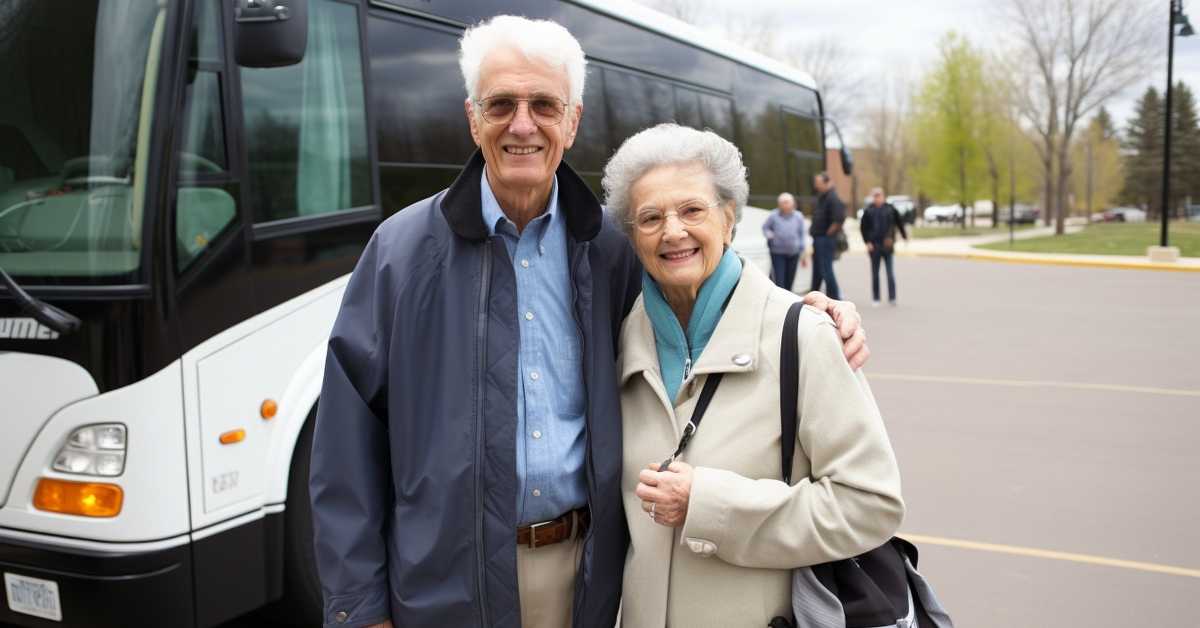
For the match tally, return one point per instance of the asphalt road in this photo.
(1045, 409)
(1047, 421)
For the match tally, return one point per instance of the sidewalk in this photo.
(964, 248)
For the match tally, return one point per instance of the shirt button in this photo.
(524, 263)
(528, 316)
(537, 493)
(537, 434)
(534, 376)
(341, 617)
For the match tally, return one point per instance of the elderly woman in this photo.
(715, 535)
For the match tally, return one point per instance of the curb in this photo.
(1055, 261)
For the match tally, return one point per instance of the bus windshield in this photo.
(74, 121)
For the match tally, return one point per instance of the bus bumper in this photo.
(100, 589)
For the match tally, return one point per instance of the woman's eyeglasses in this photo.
(544, 110)
(651, 220)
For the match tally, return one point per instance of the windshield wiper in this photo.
(44, 313)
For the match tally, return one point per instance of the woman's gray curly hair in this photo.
(670, 144)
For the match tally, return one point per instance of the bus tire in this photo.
(301, 604)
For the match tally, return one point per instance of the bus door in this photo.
(210, 262)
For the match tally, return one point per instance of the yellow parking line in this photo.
(939, 379)
(1053, 555)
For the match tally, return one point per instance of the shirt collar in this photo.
(493, 215)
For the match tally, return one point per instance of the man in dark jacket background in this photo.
(880, 222)
(466, 458)
(826, 223)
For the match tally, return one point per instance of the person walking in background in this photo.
(880, 221)
(785, 230)
(827, 222)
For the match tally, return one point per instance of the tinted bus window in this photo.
(592, 146)
(306, 132)
(418, 94)
(687, 108)
(717, 114)
(636, 102)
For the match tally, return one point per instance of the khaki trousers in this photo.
(546, 581)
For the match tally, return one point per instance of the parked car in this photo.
(943, 213)
(1125, 214)
(1193, 213)
(1024, 214)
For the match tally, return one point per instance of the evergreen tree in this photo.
(1144, 146)
(1185, 147)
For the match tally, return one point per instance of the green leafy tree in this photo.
(1096, 180)
(950, 125)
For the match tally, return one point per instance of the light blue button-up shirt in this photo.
(550, 390)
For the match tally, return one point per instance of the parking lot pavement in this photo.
(1045, 420)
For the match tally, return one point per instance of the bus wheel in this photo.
(301, 604)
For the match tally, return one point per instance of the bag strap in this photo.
(789, 388)
(689, 430)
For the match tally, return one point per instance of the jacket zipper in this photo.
(580, 250)
(481, 336)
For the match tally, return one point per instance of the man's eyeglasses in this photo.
(545, 110)
(651, 220)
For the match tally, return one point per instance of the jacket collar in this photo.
(738, 333)
(462, 204)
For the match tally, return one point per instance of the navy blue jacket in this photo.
(413, 478)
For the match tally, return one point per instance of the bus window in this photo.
(417, 91)
(635, 103)
(687, 108)
(591, 147)
(305, 125)
(717, 113)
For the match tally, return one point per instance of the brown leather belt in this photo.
(571, 525)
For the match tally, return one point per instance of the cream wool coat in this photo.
(729, 565)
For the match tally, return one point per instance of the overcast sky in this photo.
(889, 36)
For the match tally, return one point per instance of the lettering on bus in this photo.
(224, 482)
(25, 329)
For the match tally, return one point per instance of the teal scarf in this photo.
(678, 352)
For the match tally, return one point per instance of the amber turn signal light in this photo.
(233, 436)
(268, 409)
(87, 499)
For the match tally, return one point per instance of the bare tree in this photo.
(1074, 55)
(886, 133)
(691, 11)
(832, 65)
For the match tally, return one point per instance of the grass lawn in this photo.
(1111, 239)
(956, 231)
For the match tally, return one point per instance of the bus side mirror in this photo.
(270, 33)
(847, 162)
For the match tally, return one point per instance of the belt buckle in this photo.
(533, 532)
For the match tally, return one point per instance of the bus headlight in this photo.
(94, 450)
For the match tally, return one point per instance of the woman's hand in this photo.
(849, 325)
(665, 495)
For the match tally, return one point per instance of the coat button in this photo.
(524, 263)
(742, 359)
(341, 617)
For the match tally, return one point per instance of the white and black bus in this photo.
(176, 230)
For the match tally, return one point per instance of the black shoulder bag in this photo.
(876, 589)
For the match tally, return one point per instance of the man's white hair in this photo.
(786, 195)
(671, 144)
(540, 40)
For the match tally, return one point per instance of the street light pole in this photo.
(1176, 17)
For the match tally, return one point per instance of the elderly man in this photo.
(880, 222)
(466, 461)
(785, 231)
(826, 223)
